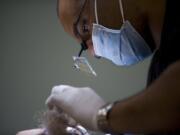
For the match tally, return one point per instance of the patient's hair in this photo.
(55, 122)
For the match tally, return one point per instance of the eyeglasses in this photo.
(75, 29)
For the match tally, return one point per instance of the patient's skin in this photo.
(32, 132)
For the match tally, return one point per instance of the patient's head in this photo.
(56, 122)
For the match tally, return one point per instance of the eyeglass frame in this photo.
(83, 44)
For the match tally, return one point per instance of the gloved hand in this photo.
(82, 104)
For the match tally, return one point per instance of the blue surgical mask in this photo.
(123, 47)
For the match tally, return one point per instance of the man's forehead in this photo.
(68, 11)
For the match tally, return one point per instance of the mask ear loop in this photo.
(96, 15)
(122, 10)
(83, 48)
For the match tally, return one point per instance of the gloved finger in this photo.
(50, 103)
(57, 91)
(72, 130)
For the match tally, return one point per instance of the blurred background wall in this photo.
(36, 54)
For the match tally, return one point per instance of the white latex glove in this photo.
(82, 104)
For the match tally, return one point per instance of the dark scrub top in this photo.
(169, 51)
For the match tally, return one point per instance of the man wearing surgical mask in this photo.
(125, 32)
